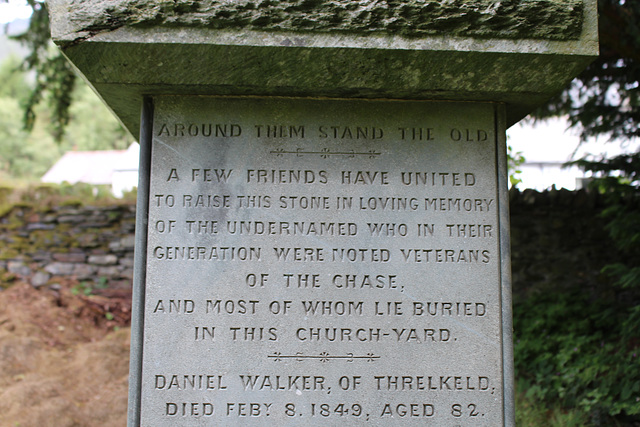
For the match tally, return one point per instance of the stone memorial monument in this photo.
(322, 233)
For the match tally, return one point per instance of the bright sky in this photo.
(550, 140)
(14, 9)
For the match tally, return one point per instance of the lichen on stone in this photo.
(534, 19)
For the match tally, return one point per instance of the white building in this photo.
(548, 145)
(116, 168)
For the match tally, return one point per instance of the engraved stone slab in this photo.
(324, 262)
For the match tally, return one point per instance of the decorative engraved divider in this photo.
(322, 357)
(325, 153)
(324, 262)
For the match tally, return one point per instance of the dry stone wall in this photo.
(85, 243)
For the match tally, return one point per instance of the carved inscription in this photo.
(316, 262)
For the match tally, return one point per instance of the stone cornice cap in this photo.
(515, 52)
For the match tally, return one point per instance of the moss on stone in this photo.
(535, 19)
(8, 253)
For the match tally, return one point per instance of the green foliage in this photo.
(82, 288)
(87, 288)
(514, 160)
(626, 166)
(92, 126)
(14, 84)
(55, 78)
(18, 158)
(22, 155)
(573, 347)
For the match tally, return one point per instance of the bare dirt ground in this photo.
(64, 356)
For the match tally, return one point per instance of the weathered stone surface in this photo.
(41, 255)
(110, 271)
(107, 259)
(125, 243)
(127, 261)
(51, 217)
(128, 242)
(127, 273)
(84, 271)
(55, 286)
(359, 241)
(40, 226)
(71, 218)
(128, 227)
(19, 268)
(95, 224)
(40, 279)
(70, 257)
(544, 19)
(88, 240)
(60, 268)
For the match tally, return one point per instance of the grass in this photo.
(533, 413)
